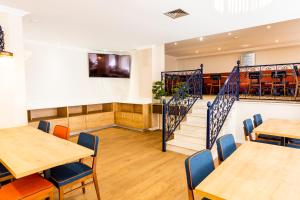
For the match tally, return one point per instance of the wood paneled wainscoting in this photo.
(95, 116)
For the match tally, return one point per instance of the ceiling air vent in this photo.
(176, 13)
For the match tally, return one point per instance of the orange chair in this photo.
(61, 132)
(28, 188)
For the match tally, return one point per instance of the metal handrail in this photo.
(175, 110)
(218, 111)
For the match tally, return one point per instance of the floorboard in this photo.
(131, 166)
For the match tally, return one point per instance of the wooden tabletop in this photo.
(26, 150)
(255, 171)
(279, 127)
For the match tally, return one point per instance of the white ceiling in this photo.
(129, 24)
(281, 34)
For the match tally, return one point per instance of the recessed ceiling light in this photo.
(201, 38)
(229, 34)
(175, 43)
(236, 37)
(276, 41)
(269, 27)
(197, 51)
(219, 49)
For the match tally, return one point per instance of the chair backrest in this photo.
(89, 141)
(296, 70)
(278, 74)
(61, 132)
(225, 146)
(254, 75)
(215, 77)
(198, 166)
(248, 128)
(44, 126)
(257, 120)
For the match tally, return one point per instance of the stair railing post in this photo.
(201, 81)
(208, 125)
(239, 79)
(164, 126)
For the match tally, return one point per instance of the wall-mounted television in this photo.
(109, 65)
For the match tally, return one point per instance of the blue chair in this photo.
(225, 146)
(293, 146)
(257, 119)
(294, 141)
(65, 176)
(198, 166)
(4, 174)
(248, 129)
(44, 126)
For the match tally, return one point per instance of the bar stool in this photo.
(216, 82)
(255, 82)
(279, 82)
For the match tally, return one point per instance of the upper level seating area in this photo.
(279, 82)
(270, 82)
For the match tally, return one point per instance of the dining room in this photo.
(149, 100)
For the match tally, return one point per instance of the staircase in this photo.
(190, 137)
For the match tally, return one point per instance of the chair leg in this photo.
(191, 194)
(51, 196)
(96, 186)
(83, 189)
(61, 193)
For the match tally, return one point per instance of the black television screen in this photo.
(109, 65)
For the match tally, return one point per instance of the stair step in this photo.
(193, 127)
(199, 111)
(190, 137)
(201, 115)
(191, 133)
(198, 105)
(182, 147)
(193, 118)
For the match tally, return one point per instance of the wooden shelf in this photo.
(133, 115)
(99, 108)
(77, 110)
(46, 114)
(131, 108)
(83, 117)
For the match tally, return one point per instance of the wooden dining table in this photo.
(255, 171)
(27, 150)
(279, 127)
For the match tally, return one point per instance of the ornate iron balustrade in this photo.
(174, 79)
(273, 81)
(218, 110)
(175, 110)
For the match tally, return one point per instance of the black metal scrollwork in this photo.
(220, 108)
(182, 101)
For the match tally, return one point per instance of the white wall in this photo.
(58, 76)
(225, 63)
(12, 74)
(171, 63)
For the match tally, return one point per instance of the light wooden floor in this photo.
(131, 166)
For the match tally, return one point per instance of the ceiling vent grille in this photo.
(176, 13)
